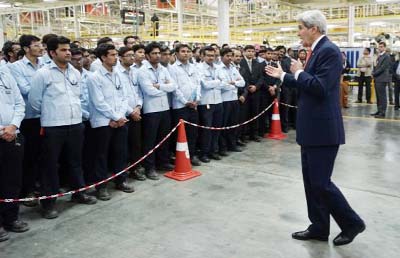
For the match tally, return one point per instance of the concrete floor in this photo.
(245, 206)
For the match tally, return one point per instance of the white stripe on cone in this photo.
(276, 117)
(183, 146)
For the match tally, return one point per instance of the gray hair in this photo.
(313, 18)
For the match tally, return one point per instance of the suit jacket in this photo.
(251, 78)
(319, 117)
(265, 80)
(381, 71)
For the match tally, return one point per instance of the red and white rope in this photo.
(98, 183)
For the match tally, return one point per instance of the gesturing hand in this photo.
(275, 72)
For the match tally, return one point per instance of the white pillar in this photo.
(76, 23)
(350, 35)
(179, 10)
(1, 30)
(223, 22)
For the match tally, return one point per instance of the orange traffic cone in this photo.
(183, 167)
(276, 130)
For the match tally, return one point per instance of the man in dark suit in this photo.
(251, 72)
(382, 78)
(320, 131)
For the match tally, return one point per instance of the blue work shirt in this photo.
(187, 80)
(55, 94)
(129, 78)
(12, 106)
(23, 71)
(108, 97)
(45, 59)
(210, 85)
(230, 74)
(155, 100)
(84, 94)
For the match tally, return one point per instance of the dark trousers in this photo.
(263, 125)
(30, 129)
(155, 127)
(364, 80)
(11, 155)
(210, 115)
(190, 115)
(253, 102)
(396, 93)
(323, 197)
(288, 96)
(230, 117)
(87, 150)
(381, 96)
(56, 140)
(134, 141)
(110, 153)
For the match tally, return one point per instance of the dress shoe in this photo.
(236, 149)
(240, 143)
(3, 235)
(284, 130)
(255, 139)
(369, 102)
(32, 203)
(49, 213)
(83, 198)
(374, 114)
(103, 194)
(391, 103)
(195, 161)
(347, 237)
(396, 108)
(215, 156)
(17, 226)
(166, 167)
(346, 106)
(204, 159)
(307, 235)
(358, 101)
(152, 174)
(223, 153)
(380, 115)
(138, 174)
(124, 187)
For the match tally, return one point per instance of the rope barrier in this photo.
(137, 162)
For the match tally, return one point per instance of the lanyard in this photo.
(5, 86)
(117, 83)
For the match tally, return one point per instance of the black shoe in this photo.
(49, 213)
(83, 198)
(345, 238)
(195, 161)
(236, 149)
(391, 103)
(307, 235)
(3, 235)
(369, 102)
(396, 108)
(152, 174)
(138, 174)
(166, 167)
(215, 156)
(124, 187)
(32, 203)
(284, 130)
(223, 153)
(103, 194)
(380, 115)
(255, 139)
(204, 159)
(374, 114)
(240, 143)
(17, 226)
(358, 101)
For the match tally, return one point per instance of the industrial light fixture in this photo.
(248, 31)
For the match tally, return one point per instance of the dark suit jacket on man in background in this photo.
(319, 133)
(382, 78)
(252, 104)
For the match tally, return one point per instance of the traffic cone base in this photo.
(183, 168)
(276, 130)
